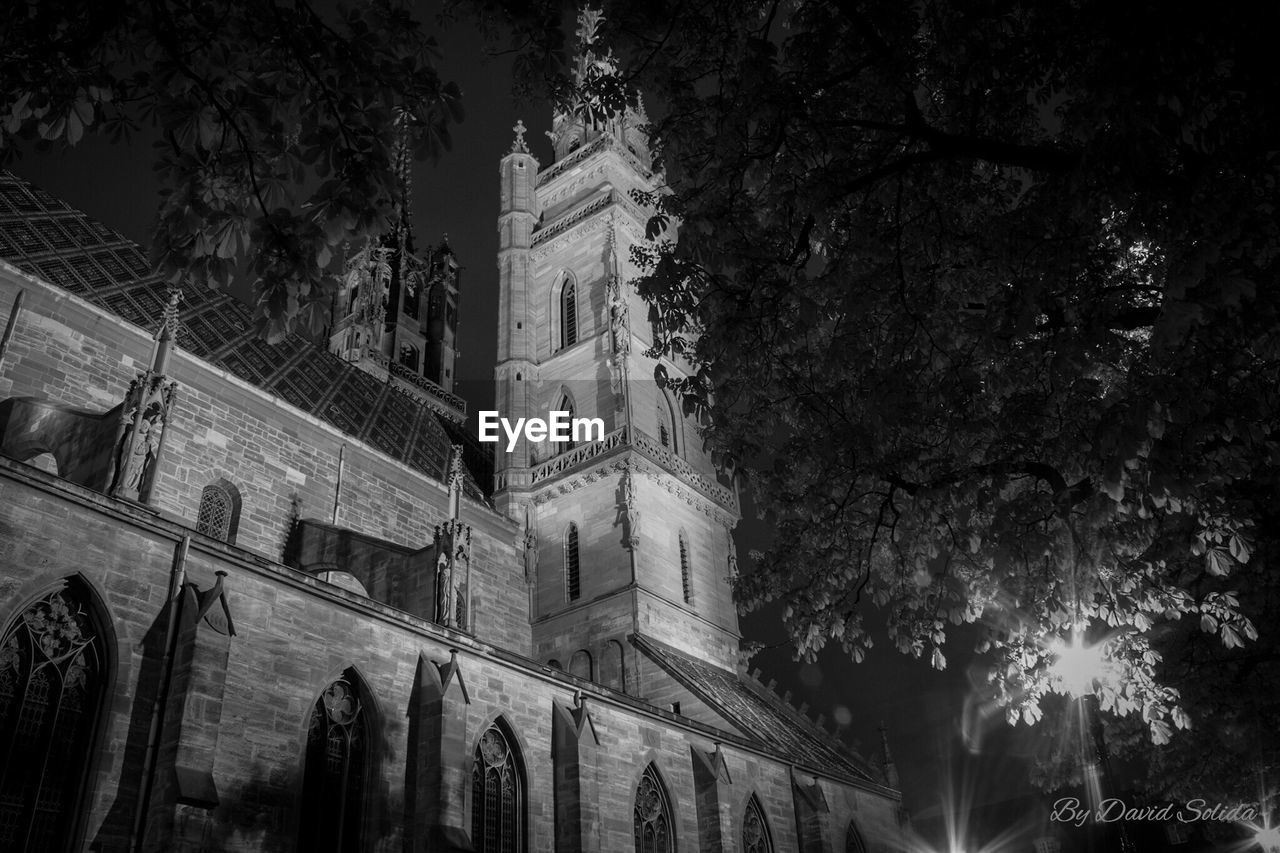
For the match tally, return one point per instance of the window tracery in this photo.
(652, 815)
(755, 831)
(52, 675)
(336, 771)
(219, 512)
(497, 796)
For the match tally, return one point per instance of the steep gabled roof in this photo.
(47, 238)
(762, 717)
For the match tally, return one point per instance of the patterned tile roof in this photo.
(47, 238)
(751, 708)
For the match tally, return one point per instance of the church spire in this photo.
(402, 162)
(396, 315)
(600, 105)
(890, 769)
(519, 146)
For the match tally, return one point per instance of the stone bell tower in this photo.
(396, 312)
(629, 534)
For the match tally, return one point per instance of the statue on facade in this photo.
(530, 548)
(453, 551)
(618, 324)
(138, 453)
(444, 579)
(142, 424)
(631, 508)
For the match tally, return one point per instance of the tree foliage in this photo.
(279, 123)
(981, 299)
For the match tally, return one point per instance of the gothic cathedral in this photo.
(277, 597)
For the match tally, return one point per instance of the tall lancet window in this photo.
(652, 816)
(497, 795)
(686, 578)
(572, 579)
(853, 840)
(755, 831)
(52, 680)
(336, 771)
(666, 432)
(568, 312)
(565, 405)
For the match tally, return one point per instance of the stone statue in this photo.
(444, 578)
(618, 318)
(453, 562)
(530, 551)
(631, 507)
(138, 452)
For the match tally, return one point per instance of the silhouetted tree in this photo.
(281, 124)
(981, 299)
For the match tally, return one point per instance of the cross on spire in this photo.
(519, 146)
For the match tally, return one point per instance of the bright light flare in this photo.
(1078, 667)
(1268, 837)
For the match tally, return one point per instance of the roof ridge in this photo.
(823, 750)
(95, 262)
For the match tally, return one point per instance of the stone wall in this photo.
(283, 462)
(293, 635)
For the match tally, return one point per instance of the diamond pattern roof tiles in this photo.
(47, 238)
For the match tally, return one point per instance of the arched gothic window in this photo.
(652, 815)
(219, 513)
(497, 795)
(336, 770)
(755, 831)
(666, 424)
(568, 312)
(565, 405)
(853, 840)
(581, 665)
(686, 578)
(52, 681)
(409, 357)
(572, 580)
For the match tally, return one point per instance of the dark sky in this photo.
(458, 196)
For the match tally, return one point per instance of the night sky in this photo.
(924, 710)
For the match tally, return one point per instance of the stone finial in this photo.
(890, 769)
(455, 467)
(519, 146)
(165, 333)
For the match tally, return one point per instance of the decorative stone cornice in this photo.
(634, 461)
(584, 221)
